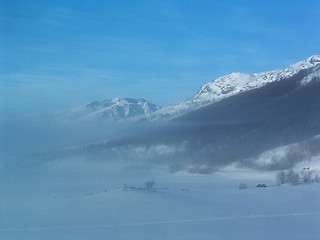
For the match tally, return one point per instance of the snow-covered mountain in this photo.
(236, 119)
(256, 114)
(112, 109)
(221, 88)
(236, 83)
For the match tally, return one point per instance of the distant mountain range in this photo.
(232, 84)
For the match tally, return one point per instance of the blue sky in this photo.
(60, 54)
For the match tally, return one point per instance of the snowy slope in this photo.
(112, 109)
(236, 83)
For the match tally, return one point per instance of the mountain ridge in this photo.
(232, 84)
(123, 109)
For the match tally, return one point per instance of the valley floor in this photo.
(68, 200)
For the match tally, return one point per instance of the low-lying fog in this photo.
(197, 147)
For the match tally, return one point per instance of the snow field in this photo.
(79, 200)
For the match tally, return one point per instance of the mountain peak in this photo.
(224, 85)
(314, 59)
(236, 82)
(310, 62)
(115, 109)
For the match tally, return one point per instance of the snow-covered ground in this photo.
(79, 200)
